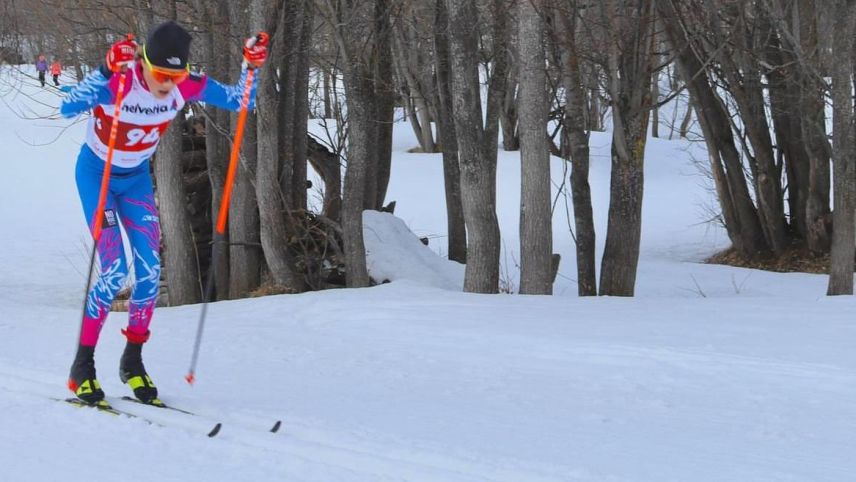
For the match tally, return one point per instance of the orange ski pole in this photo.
(222, 217)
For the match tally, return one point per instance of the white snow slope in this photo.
(710, 374)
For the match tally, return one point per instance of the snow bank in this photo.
(394, 253)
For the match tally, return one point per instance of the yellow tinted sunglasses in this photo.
(162, 74)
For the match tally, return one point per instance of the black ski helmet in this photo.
(168, 46)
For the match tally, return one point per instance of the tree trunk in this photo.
(478, 167)
(289, 93)
(217, 142)
(741, 218)
(575, 140)
(630, 63)
(328, 107)
(818, 215)
(595, 119)
(497, 87)
(384, 100)
(244, 249)
(457, 234)
(655, 112)
(844, 152)
(301, 108)
(536, 227)
(684, 131)
(508, 116)
(328, 166)
(742, 74)
(245, 246)
(359, 91)
(179, 255)
(271, 199)
(413, 92)
(786, 113)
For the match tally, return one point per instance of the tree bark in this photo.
(787, 115)
(478, 167)
(329, 167)
(411, 66)
(384, 100)
(359, 91)
(217, 142)
(179, 255)
(536, 226)
(497, 84)
(742, 73)
(575, 140)
(844, 152)
(818, 215)
(630, 68)
(740, 216)
(508, 115)
(271, 199)
(244, 247)
(288, 65)
(300, 127)
(457, 234)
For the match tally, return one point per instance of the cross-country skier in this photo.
(56, 71)
(159, 83)
(42, 68)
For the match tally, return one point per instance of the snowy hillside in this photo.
(711, 373)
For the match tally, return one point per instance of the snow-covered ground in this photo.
(711, 373)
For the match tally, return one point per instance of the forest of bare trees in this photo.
(769, 85)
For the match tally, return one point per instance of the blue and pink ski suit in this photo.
(130, 200)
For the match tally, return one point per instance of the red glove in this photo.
(121, 54)
(255, 50)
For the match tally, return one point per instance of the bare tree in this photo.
(361, 32)
(818, 215)
(478, 166)
(293, 66)
(413, 36)
(575, 142)
(244, 247)
(180, 261)
(457, 242)
(741, 217)
(181, 266)
(536, 227)
(271, 200)
(215, 41)
(629, 69)
(844, 150)
(384, 105)
(749, 31)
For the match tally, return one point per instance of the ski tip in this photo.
(214, 431)
(190, 378)
(276, 426)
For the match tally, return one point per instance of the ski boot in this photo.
(133, 373)
(82, 381)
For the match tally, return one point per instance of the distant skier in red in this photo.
(56, 71)
(159, 83)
